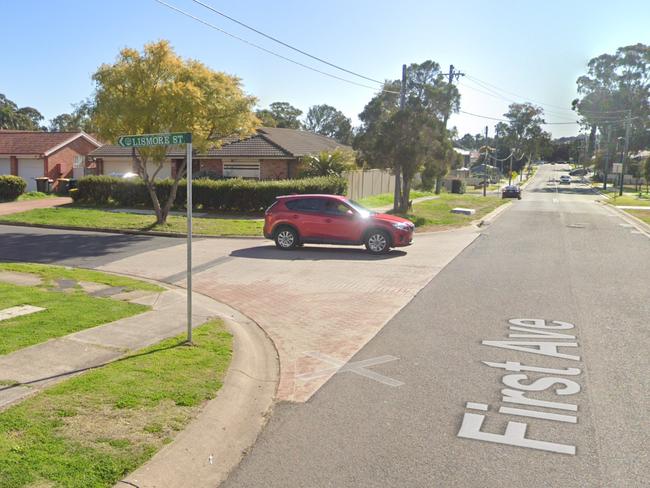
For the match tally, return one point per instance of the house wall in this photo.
(212, 165)
(60, 163)
(275, 169)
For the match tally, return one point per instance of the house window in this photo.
(242, 169)
(78, 161)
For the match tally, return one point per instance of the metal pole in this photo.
(188, 177)
(510, 170)
(485, 165)
(625, 149)
(607, 149)
(397, 197)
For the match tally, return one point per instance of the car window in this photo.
(306, 205)
(336, 207)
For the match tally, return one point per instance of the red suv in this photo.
(332, 219)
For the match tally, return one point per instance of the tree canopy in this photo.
(280, 114)
(18, 118)
(328, 121)
(156, 91)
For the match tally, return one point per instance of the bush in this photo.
(223, 195)
(11, 187)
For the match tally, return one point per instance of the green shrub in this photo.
(223, 195)
(11, 187)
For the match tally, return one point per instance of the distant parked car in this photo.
(565, 180)
(511, 191)
(294, 220)
(578, 172)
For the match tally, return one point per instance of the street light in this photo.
(618, 143)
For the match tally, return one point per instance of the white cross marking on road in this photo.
(358, 367)
(12, 312)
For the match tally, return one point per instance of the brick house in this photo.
(269, 154)
(31, 154)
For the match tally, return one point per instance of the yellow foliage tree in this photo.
(156, 91)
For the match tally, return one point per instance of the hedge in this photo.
(11, 187)
(223, 195)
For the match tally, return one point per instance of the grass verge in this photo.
(384, 199)
(436, 214)
(65, 313)
(101, 219)
(643, 215)
(50, 273)
(90, 431)
(35, 195)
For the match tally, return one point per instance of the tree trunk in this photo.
(438, 185)
(160, 219)
(398, 190)
(406, 193)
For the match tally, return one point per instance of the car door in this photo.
(341, 223)
(306, 214)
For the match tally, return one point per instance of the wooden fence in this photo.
(364, 183)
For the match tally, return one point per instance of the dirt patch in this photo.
(20, 279)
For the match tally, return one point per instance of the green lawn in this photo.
(384, 199)
(436, 213)
(51, 273)
(65, 313)
(641, 214)
(627, 199)
(91, 430)
(92, 218)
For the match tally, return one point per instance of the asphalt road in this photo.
(556, 255)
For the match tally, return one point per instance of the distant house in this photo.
(270, 153)
(31, 154)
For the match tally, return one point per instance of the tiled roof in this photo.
(268, 142)
(32, 142)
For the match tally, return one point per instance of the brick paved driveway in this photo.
(325, 300)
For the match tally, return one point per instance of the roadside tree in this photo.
(156, 91)
(15, 118)
(328, 121)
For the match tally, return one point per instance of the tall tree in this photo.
(330, 122)
(524, 133)
(15, 118)
(79, 119)
(266, 118)
(286, 115)
(411, 139)
(614, 84)
(157, 91)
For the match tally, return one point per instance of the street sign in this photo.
(145, 140)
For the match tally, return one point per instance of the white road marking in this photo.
(522, 412)
(477, 406)
(358, 367)
(13, 312)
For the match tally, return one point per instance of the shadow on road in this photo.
(314, 254)
(54, 247)
(563, 189)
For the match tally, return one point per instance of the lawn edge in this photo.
(123, 231)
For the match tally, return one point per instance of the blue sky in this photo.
(535, 50)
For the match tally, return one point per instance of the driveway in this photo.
(319, 305)
(15, 207)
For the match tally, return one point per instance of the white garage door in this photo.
(242, 169)
(5, 166)
(117, 168)
(28, 169)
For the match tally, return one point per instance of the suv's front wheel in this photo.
(377, 242)
(286, 238)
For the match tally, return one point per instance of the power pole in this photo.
(485, 165)
(626, 147)
(398, 180)
(607, 149)
(512, 153)
(452, 74)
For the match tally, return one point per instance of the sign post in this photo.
(175, 138)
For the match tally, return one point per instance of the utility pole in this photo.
(607, 149)
(452, 74)
(485, 165)
(398, 180)
(626, 147)
(512, 154)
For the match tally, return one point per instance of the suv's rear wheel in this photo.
(286, 238)
(377, 242)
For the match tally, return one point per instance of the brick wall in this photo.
(275, 169)
(59, 164)
(212, 165)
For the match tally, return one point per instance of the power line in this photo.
(274, 39)
(268, 51)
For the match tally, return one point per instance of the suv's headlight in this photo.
(401, 226)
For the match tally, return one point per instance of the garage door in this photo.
(5, 166)
(242, 169)
(117, 168)
(28, 169)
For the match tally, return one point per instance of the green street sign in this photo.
(145, 140)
